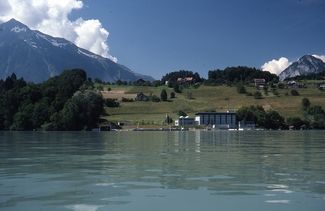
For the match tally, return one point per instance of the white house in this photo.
(184, 121)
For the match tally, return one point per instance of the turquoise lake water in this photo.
(200, 170)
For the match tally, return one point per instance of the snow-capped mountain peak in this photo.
(37, 56)
(305, 65)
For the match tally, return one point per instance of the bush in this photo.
(281, 86)
(154, 98)
(189, 95)
(112, 103)
(127, 100)
(100, 88)
(273, 120)
(297, 123)
(196, 85)
(305, 103)
(258, 95)
(163, 95)
(275, 92)
(241, 89)
(177, 88)
(266, 90)
(294, 92)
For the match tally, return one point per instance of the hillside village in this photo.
(193, 102)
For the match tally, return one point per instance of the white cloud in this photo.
(52, 17)
(276, 66)
(321, 57)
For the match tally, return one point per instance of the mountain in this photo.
(305, 65)
(36, 56)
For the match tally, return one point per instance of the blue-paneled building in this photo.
(217, 119)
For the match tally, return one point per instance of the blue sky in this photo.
(158, 36)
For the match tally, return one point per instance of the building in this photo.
(259, 82)
(221, 120)
(186, 80)
(295, 85)
(185, 121)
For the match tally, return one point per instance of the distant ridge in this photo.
(305, 65)
(37, 56)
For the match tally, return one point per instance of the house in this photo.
(295, 85)
(185, 121)
(186, 80)
(259, 82)
(321, 86)
(220, 120)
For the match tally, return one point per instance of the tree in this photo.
(241, 89)
(294, 92)
(177, 88)
(297, 123)
(172, 77)
(82, 111)
(168, 120)
(155, 98)
(182, 113)
(236, 74)
(252, 113)
(23, 119)
(305, 103)
(266, 90)
(281, 86)
(258, 95)
(163, 95)
(55, 104)
(112, 103)
(273, 120)
(189, 95)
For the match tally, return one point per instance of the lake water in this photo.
(201, 170)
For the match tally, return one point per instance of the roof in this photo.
(259, 79)
(214, 113)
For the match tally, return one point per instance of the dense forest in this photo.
(173, 76)
(63, 102)
(238, 74)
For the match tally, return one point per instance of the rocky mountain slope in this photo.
(37, 56)
(305, 65)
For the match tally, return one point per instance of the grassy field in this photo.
(205, 98)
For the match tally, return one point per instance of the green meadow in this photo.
(207, 98)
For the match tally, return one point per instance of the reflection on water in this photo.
(208, 170)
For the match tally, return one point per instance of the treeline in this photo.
(238, 74)
(172, 77)
(229, 75)
(64, 102)
(314, 117)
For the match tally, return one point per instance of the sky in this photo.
(154, 37)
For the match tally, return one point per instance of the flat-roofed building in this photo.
(217, 119)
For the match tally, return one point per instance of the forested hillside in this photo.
(63, 102)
